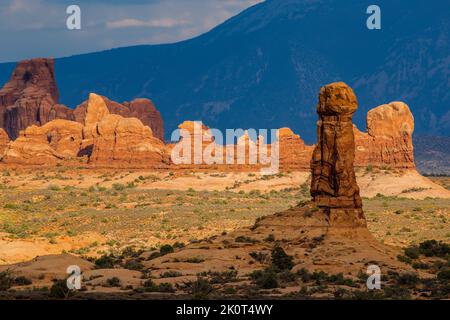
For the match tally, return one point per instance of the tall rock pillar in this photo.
(334, 187)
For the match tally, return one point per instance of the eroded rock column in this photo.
(334, 187)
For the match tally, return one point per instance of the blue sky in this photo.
(37, 28)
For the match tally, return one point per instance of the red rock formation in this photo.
(334, 185)
(198, 149)
(46, 145)
(188, 152)
(64, 137)
(143, 109)
(4, 140)
(30, 97)
(294, 153)
(388, 141)
(119, 142)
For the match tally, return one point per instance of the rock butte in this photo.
(119, 141)
(106, 138)
(143, 109)
(388, 141)
(31, 98)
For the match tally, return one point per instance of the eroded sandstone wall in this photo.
(388, 141)
(142, 109)
(31, 97)
(120, 142)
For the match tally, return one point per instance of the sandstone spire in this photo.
(333, 185)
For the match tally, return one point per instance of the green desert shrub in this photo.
(118, 187)
(105, 262)
(59, 290)
(22, 281)
(150, 286)
(280, 260)
(200, 289)
(113, 282)
(166, 249)
(265, 279)
(6, 281)
(133, 264)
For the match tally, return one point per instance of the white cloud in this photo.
(157, 23)
(32, 28)
(20, 5)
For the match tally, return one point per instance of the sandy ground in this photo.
(408, 184)
(18, 250)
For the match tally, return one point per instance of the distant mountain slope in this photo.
(264, 67)
(432, 154)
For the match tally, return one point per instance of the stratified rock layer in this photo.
(388, 141)
(119, 142)
(108, 140)
(294, 153)
(30, 97)
(142, 109)
(4, 140)
(44, 145)
(334, 185)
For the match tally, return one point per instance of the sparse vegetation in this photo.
(280, 260)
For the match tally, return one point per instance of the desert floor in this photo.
(89, 212)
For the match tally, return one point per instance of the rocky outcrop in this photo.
(64, 136)
(119, 142)
(294, 153)
(31, 148)
(142, 109)
(46, 145)
(108, 140)
(30, 97)
(197, 148)
(188, 152)
(4, 140)
(388, 141)
(334, 185)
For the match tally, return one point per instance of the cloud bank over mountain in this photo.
(37, 28)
